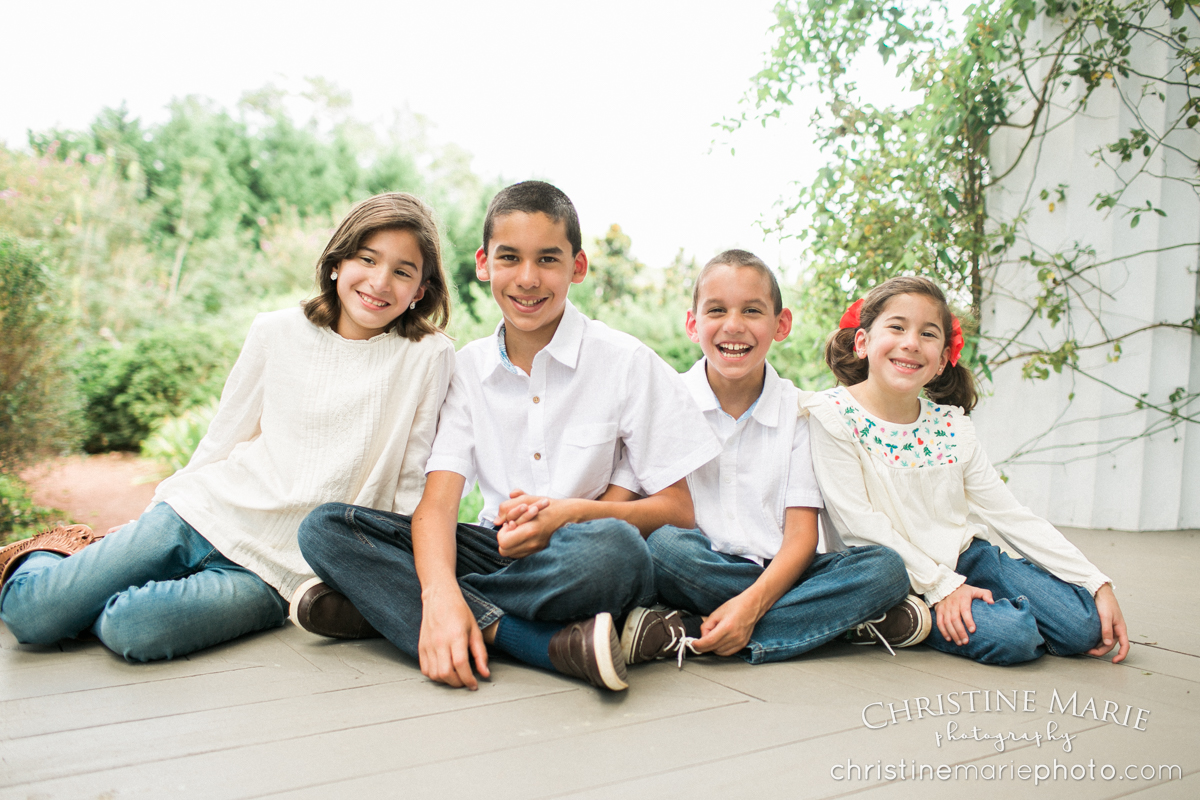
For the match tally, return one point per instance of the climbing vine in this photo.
(950, 186)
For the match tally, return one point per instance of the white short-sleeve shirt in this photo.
(594, 395)
(764, 468)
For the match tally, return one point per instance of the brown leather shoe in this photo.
(64, 540)
(319, 609)
(904, 625)
(590, 650)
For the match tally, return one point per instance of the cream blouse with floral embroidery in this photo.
(914, 487)
(928, 442)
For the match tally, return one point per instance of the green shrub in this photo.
(471, 505)
(176, 438)
(19, 517)
(129, 389)
(38, 402)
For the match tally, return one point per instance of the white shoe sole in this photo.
(926, 624)
(294, 604)
(602, 636)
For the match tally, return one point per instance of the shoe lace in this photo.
(685, 644)
(681, 643)
(870, 626)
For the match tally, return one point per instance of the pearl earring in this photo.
(412, 305)
(333, 275)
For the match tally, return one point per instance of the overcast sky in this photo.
(613, 101)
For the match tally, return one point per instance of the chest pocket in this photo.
(586, 460)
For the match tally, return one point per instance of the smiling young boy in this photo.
(539, 413)
(751, 567)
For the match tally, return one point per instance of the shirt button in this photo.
(537, 400)
(537, 456)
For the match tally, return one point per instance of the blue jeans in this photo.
(154, 589)
(590, 567)
(1033, 613)
(836, 592)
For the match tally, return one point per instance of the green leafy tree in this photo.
(38, 402)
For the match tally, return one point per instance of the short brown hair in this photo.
(534, 197)
(394, 211)
(955, 386)
(740, 258)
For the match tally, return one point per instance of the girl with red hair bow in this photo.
(898, 464)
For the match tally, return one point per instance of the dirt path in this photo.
(100, 491)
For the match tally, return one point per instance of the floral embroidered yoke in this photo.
(928, 442)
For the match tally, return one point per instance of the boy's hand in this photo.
(529, 523)
(954, 618)
(519, 539)
(1112, 624)
(519, 507)
(728, 629)
(449, 637)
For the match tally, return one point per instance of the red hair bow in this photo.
(956, 340)
(850, 319)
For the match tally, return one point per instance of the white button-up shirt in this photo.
(764, 468)
(594, 396)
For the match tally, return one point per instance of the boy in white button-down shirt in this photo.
(748, 578)
(539, 414)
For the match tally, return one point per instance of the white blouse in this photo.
(913, 488)
(308, 417)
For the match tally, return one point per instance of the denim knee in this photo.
(889, 568)
(619, 545)
(135, 636)
(669, 541)
(318, 530)
(26, 620)
(665, 536)
(1007, 635)
(616, 548)
(1075, 632)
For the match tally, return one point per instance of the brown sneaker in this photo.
(590, 650)
(903, 625)
(64, 540)
(652, 633)
(319, 609)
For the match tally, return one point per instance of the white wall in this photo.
(1087, 472)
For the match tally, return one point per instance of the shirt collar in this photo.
(568, 338)
(696, 380)
(564, 347)
(765, 409)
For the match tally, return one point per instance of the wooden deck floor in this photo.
(285, 714)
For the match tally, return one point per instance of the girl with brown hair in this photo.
(337, 401)
(904, 470)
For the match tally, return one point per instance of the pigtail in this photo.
(954, 387)
(848, 368)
